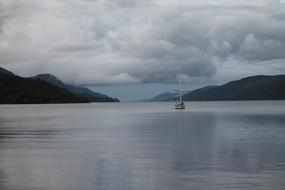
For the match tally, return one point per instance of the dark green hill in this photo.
(18, 90)
(5, 72)
(77, 90)
(251, 88)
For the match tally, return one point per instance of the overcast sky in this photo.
(119, 42)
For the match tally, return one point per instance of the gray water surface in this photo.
(143, 146)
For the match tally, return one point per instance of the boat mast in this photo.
(180, 81)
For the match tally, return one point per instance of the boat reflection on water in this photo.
(180, 123)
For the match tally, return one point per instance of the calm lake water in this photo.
(143, 146)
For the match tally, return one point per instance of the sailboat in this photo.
(179, 105)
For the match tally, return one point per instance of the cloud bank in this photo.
(98, 42)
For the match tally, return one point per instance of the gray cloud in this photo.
(127, 3)
(131, 41)
(74, 48)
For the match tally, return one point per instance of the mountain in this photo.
(50, 79)
(77, 90)
(18, 90)
(251, 88)
(90, 95)
(166, 96)
(5, 72)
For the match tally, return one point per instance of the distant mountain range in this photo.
(166, 96)
(18, 90)
(77, 90)
(44, 89)
(251, 88)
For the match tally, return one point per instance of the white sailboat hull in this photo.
(179, 106)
